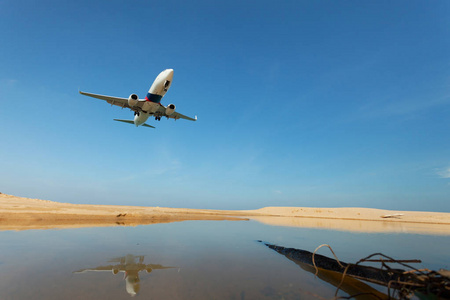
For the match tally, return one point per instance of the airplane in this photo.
(150, 106)
(130, 267)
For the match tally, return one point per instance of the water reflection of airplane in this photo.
(130, 267)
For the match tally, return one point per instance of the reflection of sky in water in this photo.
(213, 259)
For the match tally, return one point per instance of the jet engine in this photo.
(170, 109)
(133, 100)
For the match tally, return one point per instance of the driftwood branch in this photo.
(402, 283)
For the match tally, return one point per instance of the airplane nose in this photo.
(169, 73)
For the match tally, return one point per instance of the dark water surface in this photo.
(188, 260)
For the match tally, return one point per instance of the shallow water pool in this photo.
(189, 260)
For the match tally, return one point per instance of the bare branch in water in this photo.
(400, 283)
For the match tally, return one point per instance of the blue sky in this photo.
(299, 103)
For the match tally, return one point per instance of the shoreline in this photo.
(17, 213)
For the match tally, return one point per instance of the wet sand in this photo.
(17, 213)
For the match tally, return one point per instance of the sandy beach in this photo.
(17, 213)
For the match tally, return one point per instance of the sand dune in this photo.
(18, 213)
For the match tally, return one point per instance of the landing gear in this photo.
(157, 118)
(136, 113)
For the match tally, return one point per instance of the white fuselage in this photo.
(141, 118)
(156, 92)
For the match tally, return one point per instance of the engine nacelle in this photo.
(170, 109)
(133, 100)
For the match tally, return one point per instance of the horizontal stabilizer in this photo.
(132, 122)
(125, 121)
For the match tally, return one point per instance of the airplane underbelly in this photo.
(150, 107)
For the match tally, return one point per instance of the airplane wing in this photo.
(157, 267)
(177, 115)
(99, 269)
(122, 102)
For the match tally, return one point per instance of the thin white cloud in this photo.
(402, 107)
(445, 173)
(7, 83)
